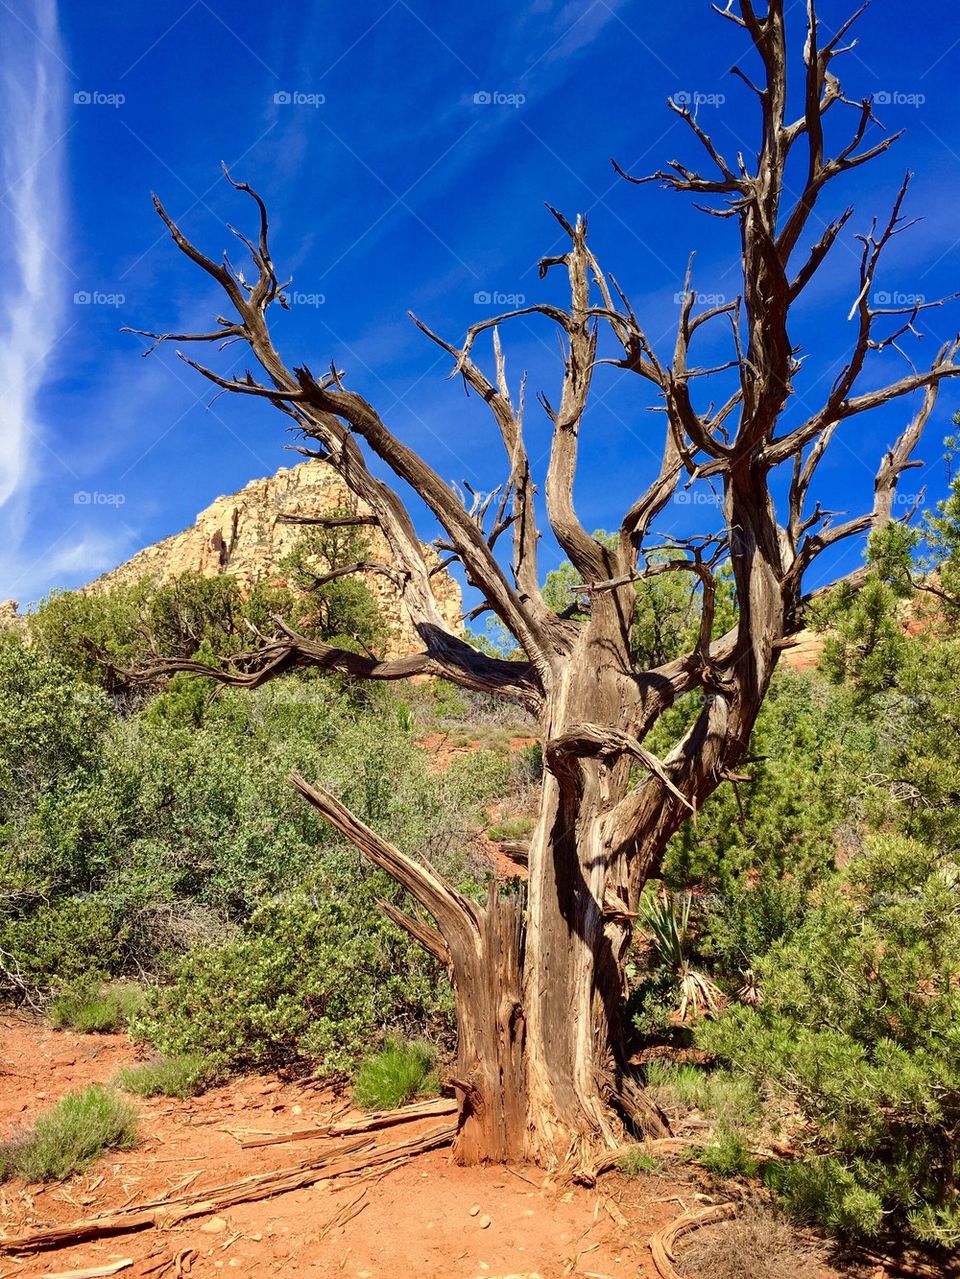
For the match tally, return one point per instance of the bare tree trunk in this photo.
(542, 1067)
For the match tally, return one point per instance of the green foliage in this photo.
(168, 828)
(746, 921)
(858, 1026)
(99, 637)
(667, 921)
(511, 828)
(343, 609)
(181, 1076)
(79, 1128)
(69, 940)
(50, 728)
(807, 752)
(96, 1009)
(636, 1162)
(308, 981)
(728, 1155)
(729, 1100)
(821, 1191)
(401, 1072)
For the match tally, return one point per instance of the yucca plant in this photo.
(667, 919)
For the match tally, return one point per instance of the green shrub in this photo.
(820, 1191)
(859, 1030)
(635, 1162)
(402, 1071)
(69, 940)
(308, 982)
(809, 751)
(79, 1128)
(182, 1076)
(93, 1009)
(728, 1155)
(511, 828)
(725, 1098)
(747, 920)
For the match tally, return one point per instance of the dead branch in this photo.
(456, 915)
(448, 657)
(168, 1212)
(373, 1122)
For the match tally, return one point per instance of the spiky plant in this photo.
(667, 919)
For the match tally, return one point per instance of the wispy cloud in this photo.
(71, 560)
(33, 92)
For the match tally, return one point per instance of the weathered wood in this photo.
(170, 1211)
(369, 1123)
(93, 1272)
(662, 1243)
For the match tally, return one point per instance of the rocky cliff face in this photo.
(242, 535)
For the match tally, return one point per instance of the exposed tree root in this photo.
(170, 1211)
(661, 1244)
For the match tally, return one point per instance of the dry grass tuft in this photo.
(756, 1244)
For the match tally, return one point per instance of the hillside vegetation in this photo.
(156, 867)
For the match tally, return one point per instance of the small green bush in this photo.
(820, 1191)
(635, 1162)
(730, 1100)
(182, 1076)
(511, 828)
(74, 939)
(398, 1074)
(308, 982)
(96, 1009)
(857, 1031)
(79, 1128)
(728, 1155)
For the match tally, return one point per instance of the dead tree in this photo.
(542, 1073)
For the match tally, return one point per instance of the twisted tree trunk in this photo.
(539, 976)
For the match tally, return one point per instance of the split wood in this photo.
(369, 1123)
(167, 1212)
(94, 1272)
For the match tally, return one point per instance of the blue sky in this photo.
(391, 187)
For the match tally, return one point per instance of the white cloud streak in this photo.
(33, 94)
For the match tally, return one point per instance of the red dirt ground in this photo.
(415, 1221)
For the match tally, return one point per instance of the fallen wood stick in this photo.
(661, 1244)
(345, 1213)
(369, 1123)
(168, 1212)
(95, 1272)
